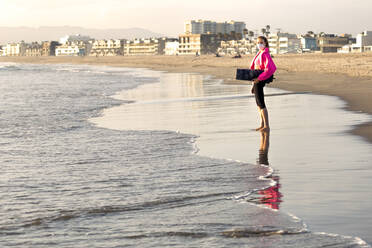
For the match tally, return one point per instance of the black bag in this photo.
(250, 75)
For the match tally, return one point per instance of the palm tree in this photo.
(250, 34)
(268, 28)
(245, 33)
(310, 33)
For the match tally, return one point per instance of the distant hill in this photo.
(28, 34)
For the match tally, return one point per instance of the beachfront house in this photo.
(70, 49)
(14, 49)
(308, 43)
(152, 46)
(350, 48)
(75, 45)
(282, 43)
(171, 47)
(107, 48)
(235, 47)
(330, 43)
(48, 48)
(33, 50)
(364, 39)
(198, 44)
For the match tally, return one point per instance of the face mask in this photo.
(260, 46)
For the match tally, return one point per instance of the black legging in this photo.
(259, 94)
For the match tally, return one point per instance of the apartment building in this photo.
(71, 49)
(235, 47)
(364, 39)
(33, 50)
(198, 44)
(212, 27)
(14, 49)
(329, 43)
(107, 48)
(308, 43)
(151, 46)
(48, 48)
(171, 47)
(281, 43)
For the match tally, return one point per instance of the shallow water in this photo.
(68, 183)
(324, 172)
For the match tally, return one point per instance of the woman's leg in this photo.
(261, 118)
(260, 100)
(265, 116)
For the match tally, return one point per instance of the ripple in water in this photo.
(67, 183)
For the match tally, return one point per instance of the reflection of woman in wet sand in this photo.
(262, 61)
(264, 148)
(270, 196)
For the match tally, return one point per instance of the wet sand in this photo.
(348, 76)
(324, 174)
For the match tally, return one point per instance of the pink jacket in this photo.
(264, 61)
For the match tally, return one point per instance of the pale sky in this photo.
(168, 16)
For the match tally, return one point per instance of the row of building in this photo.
(76, 47)
(200, 37)
(283, 43)
(193, 44)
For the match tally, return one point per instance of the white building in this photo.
(171, 48)
(107, 48)
(152, 46)
(281, 43)
(364, 39)
(14, 49)
(70, 50)
(363, 44)
(212, 27)
(308, 43)
(350, 48)
(289, 45)
(234, 47)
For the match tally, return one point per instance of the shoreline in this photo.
(224, 133)
(348, 77)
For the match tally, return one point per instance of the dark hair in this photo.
(265, 40)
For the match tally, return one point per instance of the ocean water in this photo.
(71, 178)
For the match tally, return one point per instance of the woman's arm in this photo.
(270, 67)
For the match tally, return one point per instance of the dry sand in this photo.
(348, 76)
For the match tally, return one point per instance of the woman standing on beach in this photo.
(262, 61)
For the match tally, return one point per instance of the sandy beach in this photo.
(348, 76)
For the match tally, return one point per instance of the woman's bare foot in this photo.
(265, 129)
